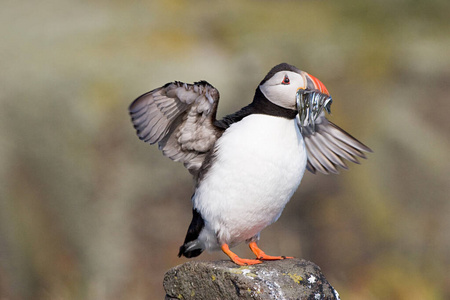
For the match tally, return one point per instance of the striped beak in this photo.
(311, 101)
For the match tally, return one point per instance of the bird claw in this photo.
(270, 257)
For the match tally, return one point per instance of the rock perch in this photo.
(282, 279)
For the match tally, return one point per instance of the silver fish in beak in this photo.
(310, 104)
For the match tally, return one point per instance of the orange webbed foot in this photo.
(260, 255)
(245, 262)
(236, 259)
(270, 257)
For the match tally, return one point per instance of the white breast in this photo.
(259, 164)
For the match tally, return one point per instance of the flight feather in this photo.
(180, 118)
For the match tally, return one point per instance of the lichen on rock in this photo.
(283, 279)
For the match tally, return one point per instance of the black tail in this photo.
(192, 234)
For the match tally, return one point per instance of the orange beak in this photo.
(319, 85)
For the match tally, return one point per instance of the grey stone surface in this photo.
(282, 279)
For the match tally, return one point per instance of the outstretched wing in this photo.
(329, 145)
(180, 118)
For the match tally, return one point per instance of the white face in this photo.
(281, 89)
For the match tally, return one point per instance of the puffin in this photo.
(246, 166)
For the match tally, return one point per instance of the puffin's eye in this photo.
(286, 80)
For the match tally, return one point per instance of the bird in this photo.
(247, 165)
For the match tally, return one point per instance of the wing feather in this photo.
(312, 160)
(320, 158)
(339, 148)
(329, 145)
(329, 151)
(180, 118)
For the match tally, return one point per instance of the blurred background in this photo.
(88, 211)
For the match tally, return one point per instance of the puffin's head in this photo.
(291, 88)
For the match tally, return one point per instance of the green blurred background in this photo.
(88, 211)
